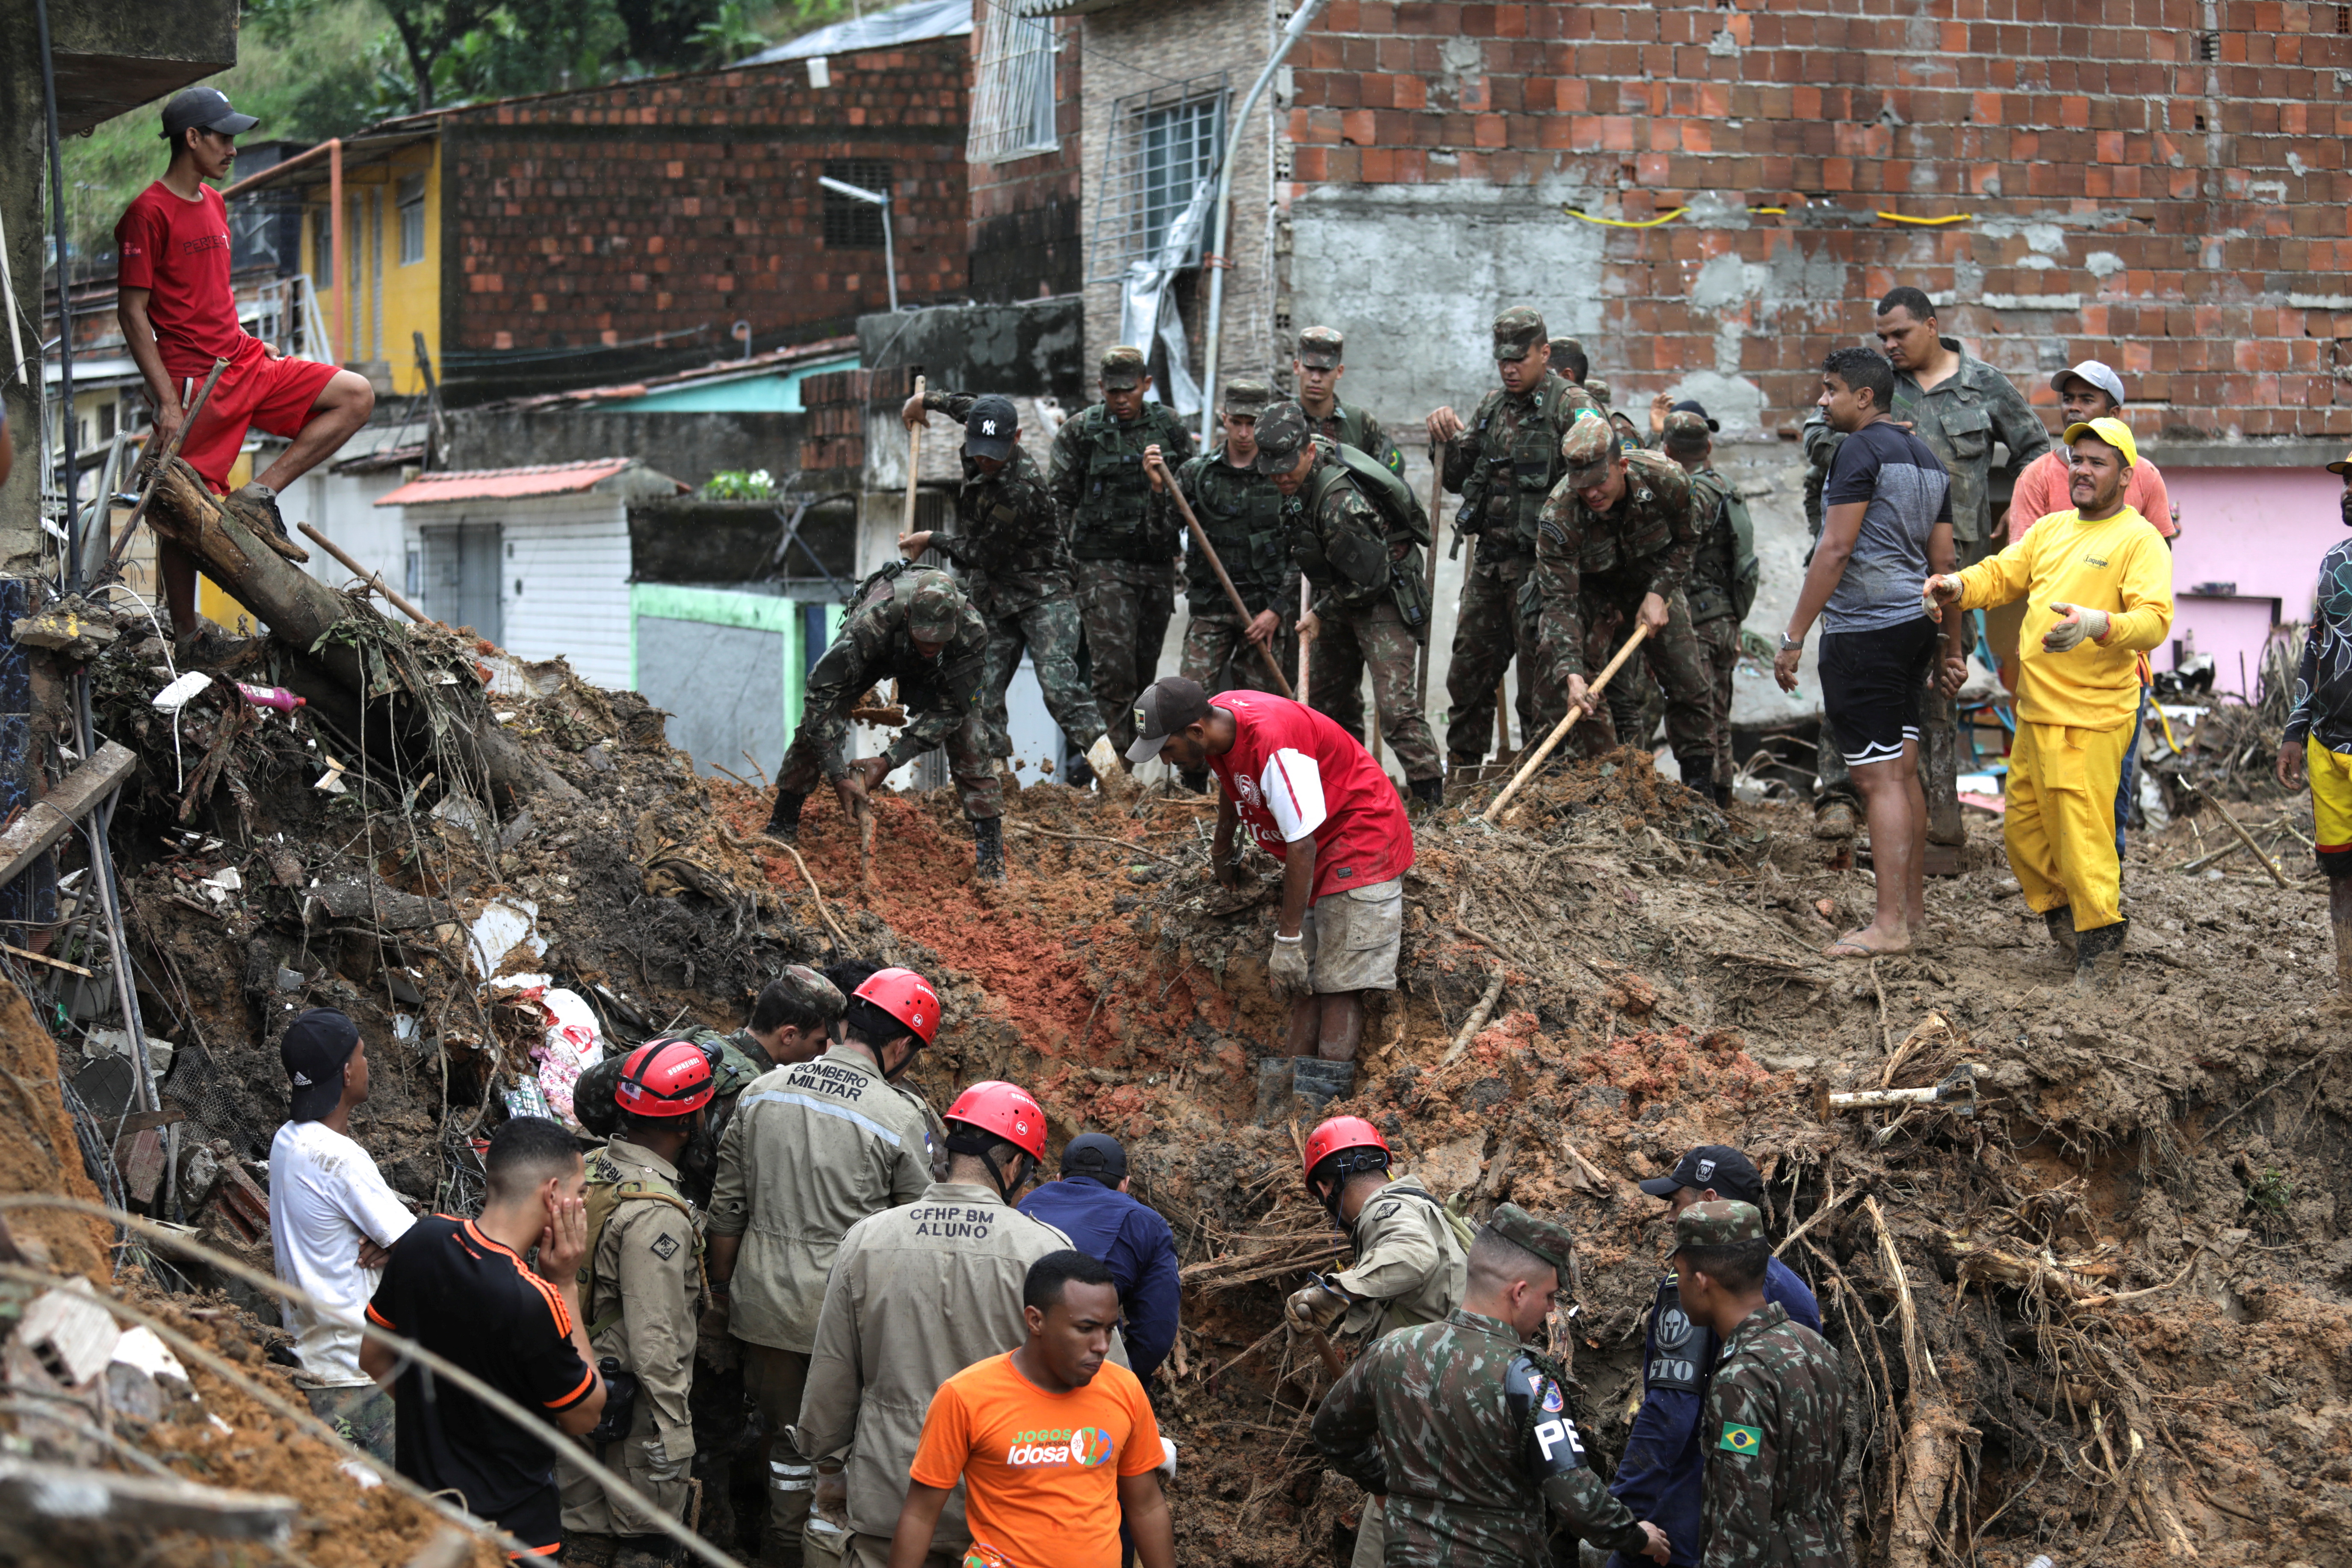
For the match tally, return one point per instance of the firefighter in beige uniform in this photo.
(1410, 1265)
(918, 1294)
(814, 1149)
(641, 1289)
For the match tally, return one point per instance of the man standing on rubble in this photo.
(2318, 738)
(1658, 1478)
(918, 1294)
(1460, 1430)
(915, 627)
(1091, 1205)
(178, 315)
(1015, 557)
(1724, 571)
(1125, 548)
(641, 1288)
(1315, 800)
(1409, 1266)
(814, 1149)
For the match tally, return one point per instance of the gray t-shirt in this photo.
(1908, 493)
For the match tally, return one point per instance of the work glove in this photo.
(1314, 1307)
(2079, 621)
(1167, 1459)
(1288, 965)
(669, 1458)
(1110, 772)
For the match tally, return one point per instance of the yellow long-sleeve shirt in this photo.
(2120, 565)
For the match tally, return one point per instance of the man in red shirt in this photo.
(1315, 801)
(179, 315)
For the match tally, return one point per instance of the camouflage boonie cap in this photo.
(1123, 366)
(1281, 434)
(1588, 446)
(934, 604)
(1321, 348)
(1687, 430)
(1247, 397)
(810, 991)
(1719, 1222)
(1518, 330)
(1548, 1240)
(1599, 388)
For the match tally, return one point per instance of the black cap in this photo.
(316, 1047)
(1162, 708)
(989, 428)
(1728, 1171)
(1693, 405)
(1096, 1154)
(206, 106)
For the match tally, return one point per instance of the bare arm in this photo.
(919, 1516)
(1839, 530)
(1221, 846)
(380, 1361)
(1297, 882)
(1145, 1508)
(138, 334)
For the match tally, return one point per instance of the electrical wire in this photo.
(1627, 223)
(1926, 222)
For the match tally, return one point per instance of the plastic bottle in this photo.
(276, 697)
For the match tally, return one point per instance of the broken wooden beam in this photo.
(373, 903)
(63, 1494)
(55, 815)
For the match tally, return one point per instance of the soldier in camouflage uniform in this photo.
(1015, 557)
(1503, 464)
(1720, 572)
(916, 627)
(1774, 1427)
(1618, 534)
(1125, 552)
(1463, 1430)
(1568, 361)
(1366, 574)
(1320, 361)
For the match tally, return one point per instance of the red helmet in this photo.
(1003, 1111)
(1339, 1136)
(906, 996)
(665, 1077)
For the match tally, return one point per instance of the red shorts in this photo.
(256, 392)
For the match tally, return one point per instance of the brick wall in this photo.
(691, 202)
(2115, 193)
(1025, 212)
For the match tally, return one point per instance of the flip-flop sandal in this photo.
(1858, 950)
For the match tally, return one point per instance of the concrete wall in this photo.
(689, 448)
(2262, 531)
(1026, 349)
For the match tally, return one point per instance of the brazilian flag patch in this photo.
(1739, 1439)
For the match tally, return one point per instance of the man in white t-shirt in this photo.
(332, 1220)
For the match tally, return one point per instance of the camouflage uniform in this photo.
(1714, 579)
(1343, 544)
(1503, 465)
(1010, 545)
(939, 694)
(1464, 1434)
(1586, 564)
(1822, 441)
(1774, 1430)
(1240, 511)
(1125, 560)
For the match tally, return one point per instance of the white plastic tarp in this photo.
(1147, 309)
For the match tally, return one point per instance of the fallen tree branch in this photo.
(839, 937)
(1475, 1022)
(1093, 838)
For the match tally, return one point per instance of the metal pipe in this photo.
(1215, 261)
(65, 305)
(343, 302)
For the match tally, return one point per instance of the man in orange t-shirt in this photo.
(1053, 1447)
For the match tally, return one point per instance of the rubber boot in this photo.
(2099, 955)
(1194, 782)
(1273, 1090)
(643, 1551)
(2060, 921)
(1427, 794)
(1318, 1082)
(988, 849)
(586, 1548)
(784, 817)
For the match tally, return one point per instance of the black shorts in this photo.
(1872, 686)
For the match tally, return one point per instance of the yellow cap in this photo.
(2114, 432)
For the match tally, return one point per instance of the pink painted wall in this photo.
(2263, 529)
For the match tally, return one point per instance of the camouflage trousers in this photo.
(1674, 660)
(1718, 646)
(1492, 628)
(1375, 636)
(1126, 606)
(970, 764)
(1221, 658)
(362, 1416)
(1049, 631)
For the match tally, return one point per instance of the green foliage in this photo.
(735, 484)
(2270, 1191)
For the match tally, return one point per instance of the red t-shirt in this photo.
(1292, 774)
(178, 251)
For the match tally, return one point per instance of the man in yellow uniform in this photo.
(2097, 582)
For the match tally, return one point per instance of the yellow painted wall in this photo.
(411, 290)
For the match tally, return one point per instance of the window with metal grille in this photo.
(322, 245)
(1012, 89)
(412, 219)
(1161, 145)
(850, 223)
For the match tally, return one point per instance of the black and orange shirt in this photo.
(473, 1301)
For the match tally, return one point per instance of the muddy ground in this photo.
(2104, 1318)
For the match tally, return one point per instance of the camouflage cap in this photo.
(1566, 349)
(1518, 330)
(805, 991)
(1247, 398)
(1588, 446)
(1599, 388)
(1321, 348)
(1282, 434)
(1123, 366)
(1719, 1222)
(1548, 1240)
(934, 604)
(1686, 431)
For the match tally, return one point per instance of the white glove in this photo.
(2079, 621)
(1110, 773)
(1167, 1459)
(1315, 1307)
(1287, 966)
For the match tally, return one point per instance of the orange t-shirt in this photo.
(1040, 1470)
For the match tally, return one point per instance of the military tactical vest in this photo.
(1646, 528)
(1681, 1349)
(1513, 479)
(1241, 511)
(1365, 564)
(1725, 575)
(1112, 520)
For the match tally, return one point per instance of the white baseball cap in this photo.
(2097, 375)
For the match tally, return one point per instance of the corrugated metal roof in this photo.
(508, 484)
(885, 29)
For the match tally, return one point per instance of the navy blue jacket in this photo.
(1658, 1478)
(1135, 1242)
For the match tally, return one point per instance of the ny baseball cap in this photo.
(1123, 365)
(208, 107)
(934, 604)
(317, 1045)
(2114, 432)
(1321, 348)
(1725, 1170)
(1166, 706)
(1720, 1222)
(2097, 375)
(1282, 434)
(1095, 1154)
(990, 428)
(1518, 330)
